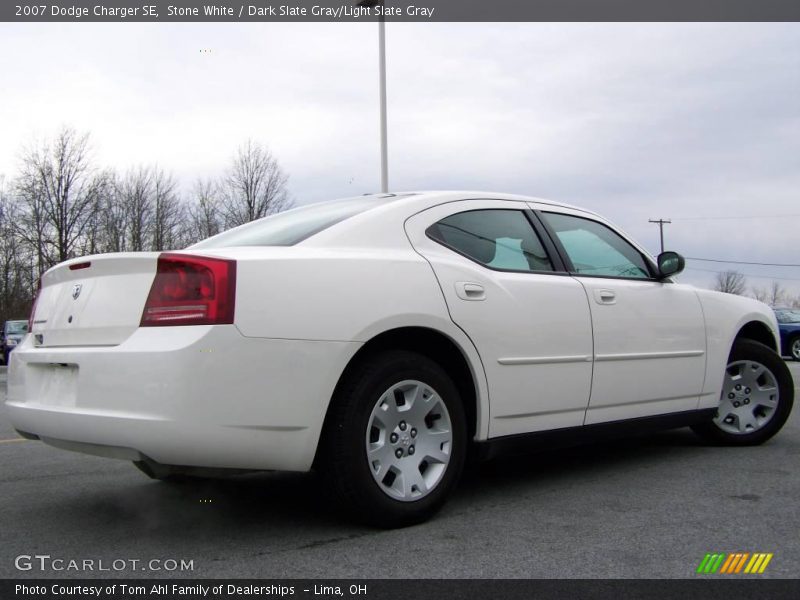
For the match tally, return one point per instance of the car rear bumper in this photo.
(202, 396)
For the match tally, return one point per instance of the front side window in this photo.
(499, 239)
(595, 249)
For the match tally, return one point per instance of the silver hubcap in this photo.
(796, 349)
(409, 440)
(749, 397)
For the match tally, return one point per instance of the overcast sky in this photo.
(633, 121)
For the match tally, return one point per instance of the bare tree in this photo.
(59, 184)
(773, 295)
(112, 216)
(31, 228)
(730, 282)
(204, 215)
(776, 294)
(61, 206)
(254, 186)
(136, 191)
(168, 212)
(15, 278)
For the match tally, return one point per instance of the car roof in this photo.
(436, 196)
(377, 227)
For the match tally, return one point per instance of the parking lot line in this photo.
(13, 440)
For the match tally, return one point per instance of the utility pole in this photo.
(661, 223)
(382, 88)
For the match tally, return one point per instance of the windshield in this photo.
(16, 327)
(293, 226)
(788, 316)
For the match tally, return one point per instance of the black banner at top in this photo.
(188, 11)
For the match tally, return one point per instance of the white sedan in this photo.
(377, 338)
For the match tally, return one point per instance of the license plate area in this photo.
(53, 384)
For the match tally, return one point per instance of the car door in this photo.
(528, 319)
(649, 335)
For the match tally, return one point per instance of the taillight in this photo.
(191, 290)
(35, 300)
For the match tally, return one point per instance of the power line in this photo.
(743, 262)
(728, 217)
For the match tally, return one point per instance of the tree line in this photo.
(62, 204)
(733, 282)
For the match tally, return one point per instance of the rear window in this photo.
(293, 226)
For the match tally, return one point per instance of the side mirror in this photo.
(670, 263)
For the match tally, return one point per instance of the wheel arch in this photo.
(729, 318)
(459, 362)
(757, 331)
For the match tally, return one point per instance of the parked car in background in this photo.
(13, 332)
(378, 339)
(789, 326)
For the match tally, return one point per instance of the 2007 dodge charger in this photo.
(378, 338)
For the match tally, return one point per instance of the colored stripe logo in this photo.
(735, 563)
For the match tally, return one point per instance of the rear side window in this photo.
(293, 226)
(499, 239)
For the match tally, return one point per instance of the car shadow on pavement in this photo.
(573, 461)
(259, 503)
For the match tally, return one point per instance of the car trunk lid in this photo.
(93, 301)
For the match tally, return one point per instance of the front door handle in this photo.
(605, 296)
(470, 291)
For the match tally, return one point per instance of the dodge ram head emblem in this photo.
(76, 290)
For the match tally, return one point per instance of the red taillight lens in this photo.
(191, 290)
(33, 306)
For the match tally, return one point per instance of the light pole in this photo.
(382, 87)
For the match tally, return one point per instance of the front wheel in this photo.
(794, 348)
(757, 397)
(395, 440)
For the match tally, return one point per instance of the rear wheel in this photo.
(395, 440)
(757, 397)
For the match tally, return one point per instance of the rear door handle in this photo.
(470, 291)
(605, 296)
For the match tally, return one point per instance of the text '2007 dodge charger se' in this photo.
(377, 338)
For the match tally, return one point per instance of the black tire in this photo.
(753, 351)
(342, 454)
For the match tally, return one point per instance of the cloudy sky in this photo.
(699, 123)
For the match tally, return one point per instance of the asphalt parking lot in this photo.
(644, 508)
